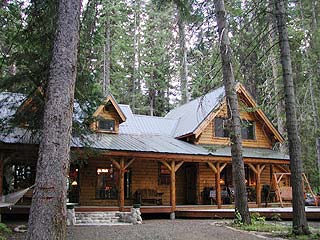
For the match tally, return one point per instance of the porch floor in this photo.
(211, 211)
(189, 211)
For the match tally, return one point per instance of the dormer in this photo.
(108, 116)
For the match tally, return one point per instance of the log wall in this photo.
(145, 175)
(261, 137)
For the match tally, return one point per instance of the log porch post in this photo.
(173, 167)
(218, 186)
(121, 187)
(173, 187)
(217, 169)
(122, 169)
(258, 171)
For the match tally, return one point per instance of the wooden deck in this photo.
(189, 211)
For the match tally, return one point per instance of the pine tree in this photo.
(300, 225)
(241, 201)
(48, 210)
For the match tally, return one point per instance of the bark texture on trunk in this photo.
(48, 210)
(316, 71)
(183, 60)
(300, 225)
(136, 89)
(241, 201)
(278, 87)
(107, 59)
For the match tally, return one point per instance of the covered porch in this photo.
(178, 180)
(112, 179)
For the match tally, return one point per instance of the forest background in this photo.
(155, 55)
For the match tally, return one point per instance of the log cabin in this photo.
(183, 158)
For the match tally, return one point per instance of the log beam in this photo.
(213, 168)
(178, 166)
(129, 163)
(166, 164)
(115, 163)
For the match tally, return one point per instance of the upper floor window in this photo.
(248, 130)
(106, 124)
(222, 128)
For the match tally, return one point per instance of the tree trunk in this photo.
(300, 225)
(136, 52)
(48, 210)
(316, 71)
(276, 80)
(183, 60)
(241, 201)
(107, 59)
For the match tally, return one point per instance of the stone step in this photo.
(97, 218)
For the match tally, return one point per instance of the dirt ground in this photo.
(181, 229)
(153, 230)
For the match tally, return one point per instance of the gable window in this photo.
(106, 124)
(164, 175)
(248, 130)
(221, 127)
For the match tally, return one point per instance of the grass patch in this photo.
(4, 231)
(313, 236)
(259, 224)
(265, 227)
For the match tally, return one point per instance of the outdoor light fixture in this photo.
(74, 183)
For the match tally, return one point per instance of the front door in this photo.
(191, 180)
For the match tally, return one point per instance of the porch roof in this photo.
(160, 144)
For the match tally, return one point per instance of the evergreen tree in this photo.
(48, 210)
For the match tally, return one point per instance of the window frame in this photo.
(105, 129)
(164, 176)
(111, 194)
(223, 129)
(251, 124)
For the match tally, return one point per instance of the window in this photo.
(24, 176)
(221, 127)
(18, 176)
(73, 184)
(107, 181)
(164, 175)
(247, 130)
(106, 124)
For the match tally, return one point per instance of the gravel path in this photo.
(157, 230)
